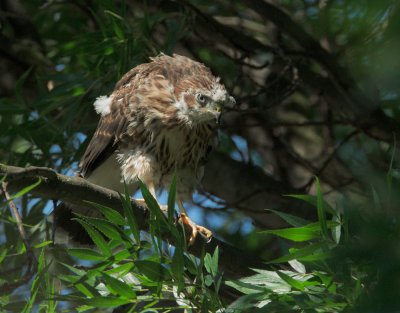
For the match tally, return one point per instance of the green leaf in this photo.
(245, 287)
(105, 302)
(37, 282)
(85, 254)
(208, 280)
(86, 289)
(118, 287)
(297, 266)
(152, 204)
(313, 201)
(291, 281)
(26, 190)
(153, 270)
(74, 270)
(128, 212)
(122, 255)
(299, 234)
(106, 228)
(43, 244)
(121, 270)
(171, 200)
(114, 15)
(111, 214)
(211, 263)
(177, 268)
(298, 254)
(3, 254)
(96, 237)
(291, 219)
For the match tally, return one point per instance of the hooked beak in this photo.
(219, 113)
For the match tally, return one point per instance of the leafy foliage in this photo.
(317, 87)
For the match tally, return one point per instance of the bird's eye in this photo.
(202, 99)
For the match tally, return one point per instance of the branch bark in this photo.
(75, 190)
(250, 190)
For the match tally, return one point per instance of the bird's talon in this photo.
(194, 229)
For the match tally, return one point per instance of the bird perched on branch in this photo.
(161, 119)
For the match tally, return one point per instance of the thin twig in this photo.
(18, 219)
(307, 186)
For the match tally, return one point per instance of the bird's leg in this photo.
(152, 189)
(194, 228)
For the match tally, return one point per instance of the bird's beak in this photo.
(218, 112)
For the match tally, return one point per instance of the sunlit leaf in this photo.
(85, 254)
(118, 287)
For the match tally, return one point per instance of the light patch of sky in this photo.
(60, 67)
(33, 116)
(218, 219)
(242, 152)
(79, 139)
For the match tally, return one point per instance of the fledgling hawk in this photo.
(161, 118)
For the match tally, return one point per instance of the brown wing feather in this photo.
(104, 141)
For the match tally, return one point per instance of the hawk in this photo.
(162, 118)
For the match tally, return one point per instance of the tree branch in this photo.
(76, 190)
(250, 190)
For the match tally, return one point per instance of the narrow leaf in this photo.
(291, 219)
(42, 244)
(298, 254)
(26, 189)
(96, 237)
(171, 200)
(299, 234)
(152, 204)
(153, 270)
(128, 212)
(313, 201)
(105, 228)
(85, 254)
(291, 281)
(118, 287)
(111, 214)
(105, 302)
(177, 267)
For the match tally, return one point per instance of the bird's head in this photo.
(203, 101)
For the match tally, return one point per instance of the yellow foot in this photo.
(194, 229)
